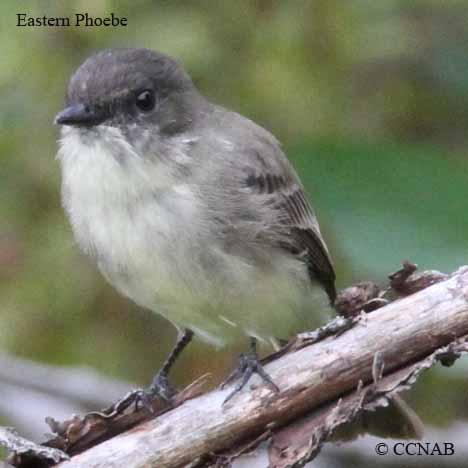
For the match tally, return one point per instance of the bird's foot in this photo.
(247, 366)
(159, 388)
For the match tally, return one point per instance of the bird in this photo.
(189, 209)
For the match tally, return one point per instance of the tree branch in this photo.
(322, 386)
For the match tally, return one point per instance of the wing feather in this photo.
(297, 216)
(253, 158)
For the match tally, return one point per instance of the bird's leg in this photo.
(160, 385)
(248, 365)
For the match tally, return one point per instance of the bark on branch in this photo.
(323, 385)
(400, 334)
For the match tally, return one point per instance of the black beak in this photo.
(79, 115)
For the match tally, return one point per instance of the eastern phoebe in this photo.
(189, 209)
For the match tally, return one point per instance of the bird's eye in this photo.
(146, 100)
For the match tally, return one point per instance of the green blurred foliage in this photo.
(369, 98)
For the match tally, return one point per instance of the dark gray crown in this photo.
(111, 74)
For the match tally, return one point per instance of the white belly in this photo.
(146, 232)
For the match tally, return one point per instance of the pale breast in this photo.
(151, 238)
(129, 215)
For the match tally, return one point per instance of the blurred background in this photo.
(370, 101)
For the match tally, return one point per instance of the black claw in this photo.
(247, 366)
(160, 387)
(144, 399)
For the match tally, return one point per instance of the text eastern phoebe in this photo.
(189, 209)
